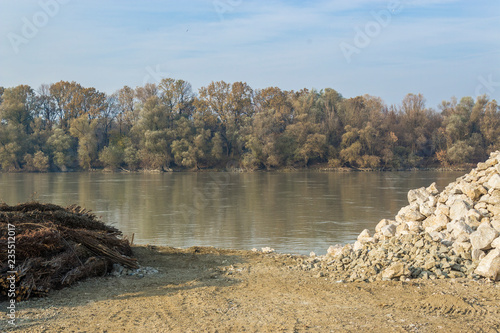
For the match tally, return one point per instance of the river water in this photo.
(294, 212)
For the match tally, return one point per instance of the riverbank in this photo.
(211, 290)
(233, 167)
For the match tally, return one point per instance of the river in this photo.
(294, 212)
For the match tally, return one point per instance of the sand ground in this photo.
(211, 290)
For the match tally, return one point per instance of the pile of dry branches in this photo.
(54, 247)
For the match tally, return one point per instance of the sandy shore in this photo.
(210, 290)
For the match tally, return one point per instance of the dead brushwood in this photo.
(55, 247)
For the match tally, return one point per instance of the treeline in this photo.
(65, 126)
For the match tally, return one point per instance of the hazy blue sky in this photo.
(440, 48)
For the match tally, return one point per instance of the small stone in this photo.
(474, 218)
(426, 209)
(334, 250)
(431, 264)
(432, 189)
(461, 247)
(267, 249)
(442, 209)
(388, 230)
(419, 243)
(419, 195)
(455, 228)
(402, 229)
(383, 223)
(414, 226)
(477, 254)
(436, 236)
(357, 246)
(365, 234)
(395, 270)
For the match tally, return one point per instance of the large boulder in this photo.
(481, 238)
(410, 213)
(496, 243)
(473, 191)
(435, 223)
(495, 223)
(494, 182)
(459, 209)
(457, 228)
(489, 266)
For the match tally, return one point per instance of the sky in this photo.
(440, 48)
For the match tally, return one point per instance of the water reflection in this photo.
(291, 212)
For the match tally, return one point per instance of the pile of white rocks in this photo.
(120, 270)
(450, 234)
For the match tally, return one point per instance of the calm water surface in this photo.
(291, 212)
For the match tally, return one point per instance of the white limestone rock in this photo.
(474, 218)
(442, 209)
(419, 195)
(494, 198)
(435, 223)
(426, 209)
(456, 228)
(382, 224)
(267, 249)
(494, 182)
(357, 246)
(432, 189)
(489, 266)
(473, 191)
(493, 210)
(365, 237)
(409, 213)
(459, 209)
(481, 238)
(477, 254)
(496, 243)
(395, 270)
(334, 250)
(495, 223)
(388, 230)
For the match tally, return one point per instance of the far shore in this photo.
(313, 168)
